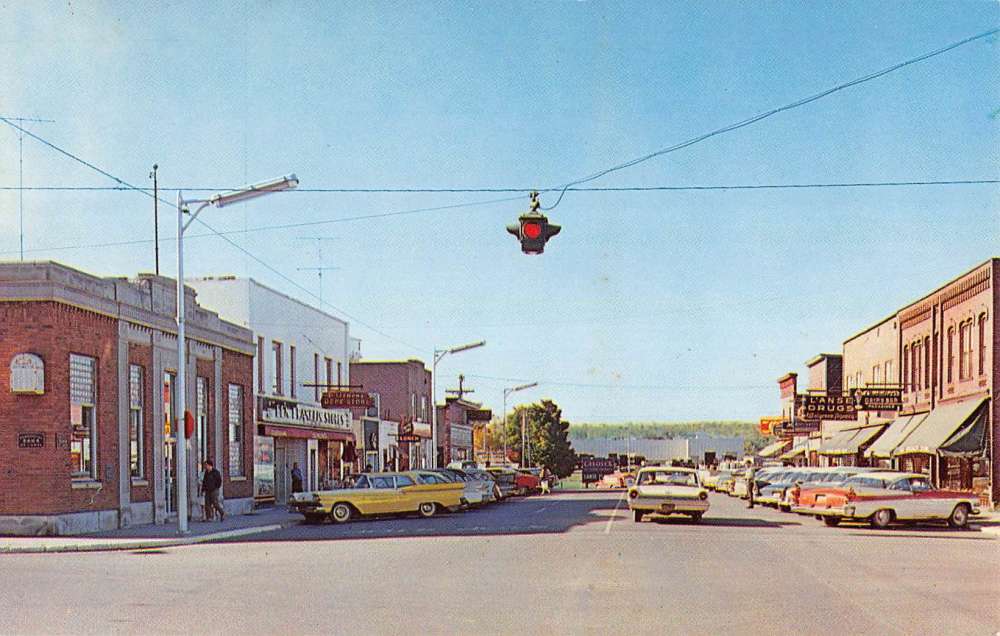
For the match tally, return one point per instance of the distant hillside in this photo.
(752, 439)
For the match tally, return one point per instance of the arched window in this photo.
(982, 344)
(965, 350)
(951, 354)
(906, 367)
(927, 362)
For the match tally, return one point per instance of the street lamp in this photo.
(438, 354)
(503, 428)
(219, 200)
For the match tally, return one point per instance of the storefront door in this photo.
(169, 442)
(282, 480)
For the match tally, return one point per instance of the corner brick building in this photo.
(88, 422)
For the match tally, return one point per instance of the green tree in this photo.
(548, 436)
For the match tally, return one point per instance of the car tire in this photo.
(882, 518)
(427, 509)
(341, 513)
(637, 515)
(959, 517)
(832, 522)
(313, 518)
(497, 493)
(696, 516)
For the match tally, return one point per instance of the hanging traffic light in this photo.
(533, 228)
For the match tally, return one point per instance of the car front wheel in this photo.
(637, 516)
(833, 522)
(959, 516)
(341, 513)
(881, 519)
(696, 516)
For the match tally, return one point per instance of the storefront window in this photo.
(982, 344)
(83, 420)
(202, 410)
(136, 432)
(235, 430)
(906, 367)
(951, 354)
(965, 350)
(276, 388)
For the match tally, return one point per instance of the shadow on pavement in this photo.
(735, 522)
(535, 515)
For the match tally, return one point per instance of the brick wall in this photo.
(237, 369)
(151, 391)
(38, 480)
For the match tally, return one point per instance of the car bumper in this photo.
(306, 507)
(667, 506)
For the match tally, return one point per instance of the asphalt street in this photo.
(571, 563)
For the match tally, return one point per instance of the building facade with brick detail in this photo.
(88, 422)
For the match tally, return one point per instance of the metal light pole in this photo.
(503, 430)
(218, 200)
(438, 354)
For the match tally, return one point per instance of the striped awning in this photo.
(797, 450)
(939, 426)
(849, 441)
(773, 449)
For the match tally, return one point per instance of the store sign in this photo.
(346, 400)
(423, 429)
(596, 467)
(408, 439)
(768, 424)
(800, 427)
(31, 440)
(480, 415)
(289, 412)
(27, 374)
(878, 399)
(837, 406)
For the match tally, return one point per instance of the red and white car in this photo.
(883, 498)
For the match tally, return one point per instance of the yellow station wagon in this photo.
(380, 494)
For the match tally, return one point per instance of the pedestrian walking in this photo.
(296, 478)
(751, 483)
(544, 480)
(211, 484)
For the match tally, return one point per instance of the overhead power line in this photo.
(642, 387)
(239, 247)
(653, 188)
(770, 113)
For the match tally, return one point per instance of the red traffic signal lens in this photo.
(531, 229)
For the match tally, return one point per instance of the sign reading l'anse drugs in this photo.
(27, 374)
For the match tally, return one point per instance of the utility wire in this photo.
(770, 113)
(654, 387)
(657, 188)
(256, 258)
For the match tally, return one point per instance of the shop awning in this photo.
(849, 441)
(970, 438)
(773, 449)
(306, 433)
(797, 450)
(939, 427)
(896, 434)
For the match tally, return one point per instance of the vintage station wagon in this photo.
(380, 494)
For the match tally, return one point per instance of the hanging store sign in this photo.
(768, 424)
(278, 411)
(878, 399)
(27, 374)
(836, 406)
(346, 400)
(408, 439)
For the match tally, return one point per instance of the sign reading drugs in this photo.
(836, 406)
(346, 400)
(878, 399)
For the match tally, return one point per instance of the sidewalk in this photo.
(155, 536)
(987, 521)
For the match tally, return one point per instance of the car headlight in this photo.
(632, 494)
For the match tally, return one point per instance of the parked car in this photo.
(477, 492)
(381, 494)
(490, 481)
(528, 482)
(776, 492)
(724, 481)
(709, 478)
(667, 490)
(884, 498)
(506, 479)
(617, 479)
(803, 496)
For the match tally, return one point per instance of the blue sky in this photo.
(664, 305)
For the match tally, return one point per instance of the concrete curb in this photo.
(138, 544)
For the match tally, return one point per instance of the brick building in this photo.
(456, 420)
(402, 391)
(941, 354)
(87, 400)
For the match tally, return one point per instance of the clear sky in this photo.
(653, 305)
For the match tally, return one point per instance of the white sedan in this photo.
(667, 490)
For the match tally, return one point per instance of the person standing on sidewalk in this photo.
(211, 485)
(544, 480)
(751, 483)
(296, 478)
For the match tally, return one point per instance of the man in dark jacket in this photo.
(210, 486)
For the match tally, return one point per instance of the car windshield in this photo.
(361, 482)
(668, 478)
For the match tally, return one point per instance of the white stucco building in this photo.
(300, 351)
